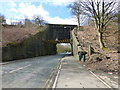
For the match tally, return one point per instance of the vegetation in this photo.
(101, 11)
(38, 20)
(108, 56)
(19, 31)
(63, 48)
(16, 33)
(2, 19)
(76, 11)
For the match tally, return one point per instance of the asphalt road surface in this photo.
(29, 73)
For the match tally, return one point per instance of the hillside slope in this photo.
(105, 60)
(16, 33)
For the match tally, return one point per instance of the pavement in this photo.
(30, 72)
(73, 75)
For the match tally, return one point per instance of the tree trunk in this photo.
(101, 40)
(78, 22)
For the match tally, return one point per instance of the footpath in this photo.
(72, 74)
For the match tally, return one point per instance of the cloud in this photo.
(58, 2)
(58, 20)
(12, 3)
(24, 9)
(52, 2)
(8, 21)
(14, 10)
(29, 10)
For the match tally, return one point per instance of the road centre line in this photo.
(20, 68)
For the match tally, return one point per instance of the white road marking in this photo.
(4, 63)
(20, 68)
(58, 73)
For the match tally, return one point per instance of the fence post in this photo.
(90, 50)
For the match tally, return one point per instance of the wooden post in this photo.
(90, 50)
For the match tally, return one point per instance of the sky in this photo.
(52, 11)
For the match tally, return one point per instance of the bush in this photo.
(63, 48)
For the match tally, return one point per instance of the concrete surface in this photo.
(29, 73)
(74, 75)
(111, 79)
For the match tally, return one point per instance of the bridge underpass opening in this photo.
(63, 48)
(59, 34)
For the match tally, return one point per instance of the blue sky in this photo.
(53, 11)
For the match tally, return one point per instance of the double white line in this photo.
(57, 76)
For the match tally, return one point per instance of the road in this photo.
(29, 73)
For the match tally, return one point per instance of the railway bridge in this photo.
(59, 33)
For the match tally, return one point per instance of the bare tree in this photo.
(27, 22)
(38, 20)
(102, 11)
(2, 19)
(76, 10)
